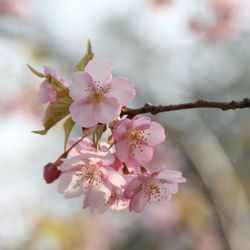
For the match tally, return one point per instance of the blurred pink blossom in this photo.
(226, 16)
(209, 241)
(16, 8)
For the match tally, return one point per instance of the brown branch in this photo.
(149, 108)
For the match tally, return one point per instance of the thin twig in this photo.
(149, 108)
(65, 153)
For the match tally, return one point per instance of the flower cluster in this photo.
(110, 173)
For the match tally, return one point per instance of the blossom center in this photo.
(90, 174)
(135, 137)
(97, 92)
(153, 190)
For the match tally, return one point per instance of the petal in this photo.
(72, 163)
(113, 178)
(48, 70)
(141, 122)
(46, 93)
(122, 89)
(120, 204)
(81, 82)
(105, 157)
(96, 198)
(138, 202)
(66, 184)
(134, 186)
(83, 114)
(121, 129)
(100, 70)
(155, 134)
(107, 110)
(122, 150)
(142, 155)
(169, 175)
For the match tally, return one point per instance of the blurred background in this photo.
(176, 51)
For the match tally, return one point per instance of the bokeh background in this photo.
(176, 51)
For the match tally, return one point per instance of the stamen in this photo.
(135, 138)
(153, 190)
(90, 174)
(97, 92)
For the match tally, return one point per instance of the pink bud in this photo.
(50, 172)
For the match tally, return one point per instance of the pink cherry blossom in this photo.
(152, 187)
(85, 169)
(109, 194)
(46, 93)
(136, 138)
(97, 96)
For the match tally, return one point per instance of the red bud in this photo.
(50, 172)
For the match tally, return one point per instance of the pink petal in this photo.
(107, 110)
(46, 93)
(142, 155)
(141, 122)
(138, 202)
(173, 188)
(122, 150)
(96, 198)
(132, 187)
(121, 129)
(120, 204)
(155, 134)
(83, 114)
(100, 70)
(169, 174)
(81, 82)
(66, 185)
(48, 70)
(122, 89)
(72, 163)
(103, 155)
(113, 178)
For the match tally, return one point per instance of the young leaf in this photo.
(67, 126)
(55, 112)
(35, 72)
(87, 57)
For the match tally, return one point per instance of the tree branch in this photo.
(149, 108)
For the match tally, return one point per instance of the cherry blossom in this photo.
(84, 169)
(109, 194)
(152, 187)
(136, 138)
(105, 175)
(97, 95)
(46, 93)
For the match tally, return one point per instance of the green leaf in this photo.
(67, 126)
(35, 72)
(87, 57)
(55, 112)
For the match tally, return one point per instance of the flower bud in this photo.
(50, 172)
